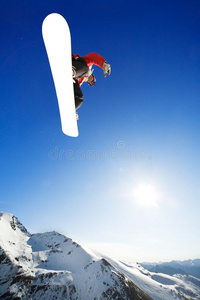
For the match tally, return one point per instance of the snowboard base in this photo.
(57, 40)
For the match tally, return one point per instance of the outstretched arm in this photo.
(94, 59)
(98, 60)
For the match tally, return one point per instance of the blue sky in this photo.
(129, 184)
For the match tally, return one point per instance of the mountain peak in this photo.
(14, 222)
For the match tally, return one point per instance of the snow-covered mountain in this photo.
(186, 267)
(52, 266)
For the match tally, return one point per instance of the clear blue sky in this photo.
(129, 184)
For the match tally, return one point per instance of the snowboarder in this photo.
(82, 72)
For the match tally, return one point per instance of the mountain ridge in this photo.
(185, 267)
(53, 266)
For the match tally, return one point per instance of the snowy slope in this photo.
(160, 286)
(53, 266)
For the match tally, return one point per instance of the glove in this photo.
(106, 69)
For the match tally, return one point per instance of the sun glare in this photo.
(146, 195)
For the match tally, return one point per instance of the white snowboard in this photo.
(57, 40)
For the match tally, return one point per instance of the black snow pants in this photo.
(78, 95)
(81, 69)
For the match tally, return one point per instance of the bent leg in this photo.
(80, 66)
(78, 95)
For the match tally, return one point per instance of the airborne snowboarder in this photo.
(82, 72)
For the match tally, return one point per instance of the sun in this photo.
(146, 195)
